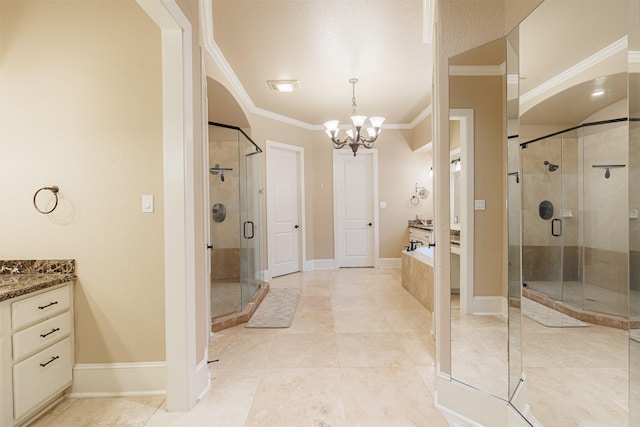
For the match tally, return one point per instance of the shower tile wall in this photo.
(606, 208)
(541, 250)
(225, 235)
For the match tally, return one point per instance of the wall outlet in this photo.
(383, 205)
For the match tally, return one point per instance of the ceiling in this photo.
(324, 43)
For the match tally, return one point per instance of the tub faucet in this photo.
(413, 244)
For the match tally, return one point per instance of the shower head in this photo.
(551, 166)
(219, 170)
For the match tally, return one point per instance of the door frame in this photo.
(337, 203)
(302, 241)
(465, 117)
(187, 372)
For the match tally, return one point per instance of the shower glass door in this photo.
(542, 225)
(250, 224)
(235, 195)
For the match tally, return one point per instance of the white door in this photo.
(283, 209)
(354, 209)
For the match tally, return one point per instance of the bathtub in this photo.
(424, 254)
(417, 275)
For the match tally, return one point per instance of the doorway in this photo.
(355, 197)
(285, 208)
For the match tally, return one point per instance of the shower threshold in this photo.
(234, 319)
(593, 317)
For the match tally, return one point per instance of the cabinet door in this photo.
(41, 376)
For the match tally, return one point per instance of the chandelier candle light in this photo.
(354, 138)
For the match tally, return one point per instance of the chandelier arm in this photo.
(337, 143)
(369, 140)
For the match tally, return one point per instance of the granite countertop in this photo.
(25, 276)
(414, 224)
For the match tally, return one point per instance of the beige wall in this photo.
(399, 168)
(422, 133)
(81, 109)
(486, 96)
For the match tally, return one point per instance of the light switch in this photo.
(479, 205)
(383, 205)
(147, 203)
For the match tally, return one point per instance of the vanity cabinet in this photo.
(420, 235)
(37, 350)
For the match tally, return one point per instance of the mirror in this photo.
(634, 221)
(575, 150)
(479, 335)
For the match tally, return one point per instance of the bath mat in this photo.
(547, 316)
(276, 309)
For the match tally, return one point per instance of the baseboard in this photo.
(390, 263)
(495, 306)
(203, 379)
(324, 264)
(119, 379)
(469, 405)
(308, 265)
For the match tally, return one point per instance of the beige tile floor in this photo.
(359, 353)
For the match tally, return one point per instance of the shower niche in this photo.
(235, 221)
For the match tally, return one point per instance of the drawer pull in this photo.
(52, 359)
(49, 333)
(42, 307)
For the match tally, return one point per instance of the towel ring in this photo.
(54, 190)
(414, 200)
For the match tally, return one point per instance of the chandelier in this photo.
(354, 138)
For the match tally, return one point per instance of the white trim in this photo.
(302, 249)
(488, 305)
(179, 202)
(469, 404)
(570, 73)
(478, 70)
(428, 20)
(466, 206)
(119, 379)
(420, 117)
(390, 263)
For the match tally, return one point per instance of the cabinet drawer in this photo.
(41, 335)
(417, 234)
(34, 383)
(39, 307)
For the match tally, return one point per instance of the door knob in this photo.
(370, 224)
(209, 246)
(296, 226)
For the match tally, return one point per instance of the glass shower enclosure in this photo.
(575, 217)
(235, 217)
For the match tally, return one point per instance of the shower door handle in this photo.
(553, 227)
(251, 229)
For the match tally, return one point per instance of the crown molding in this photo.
(574, 71)
(206, 12)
